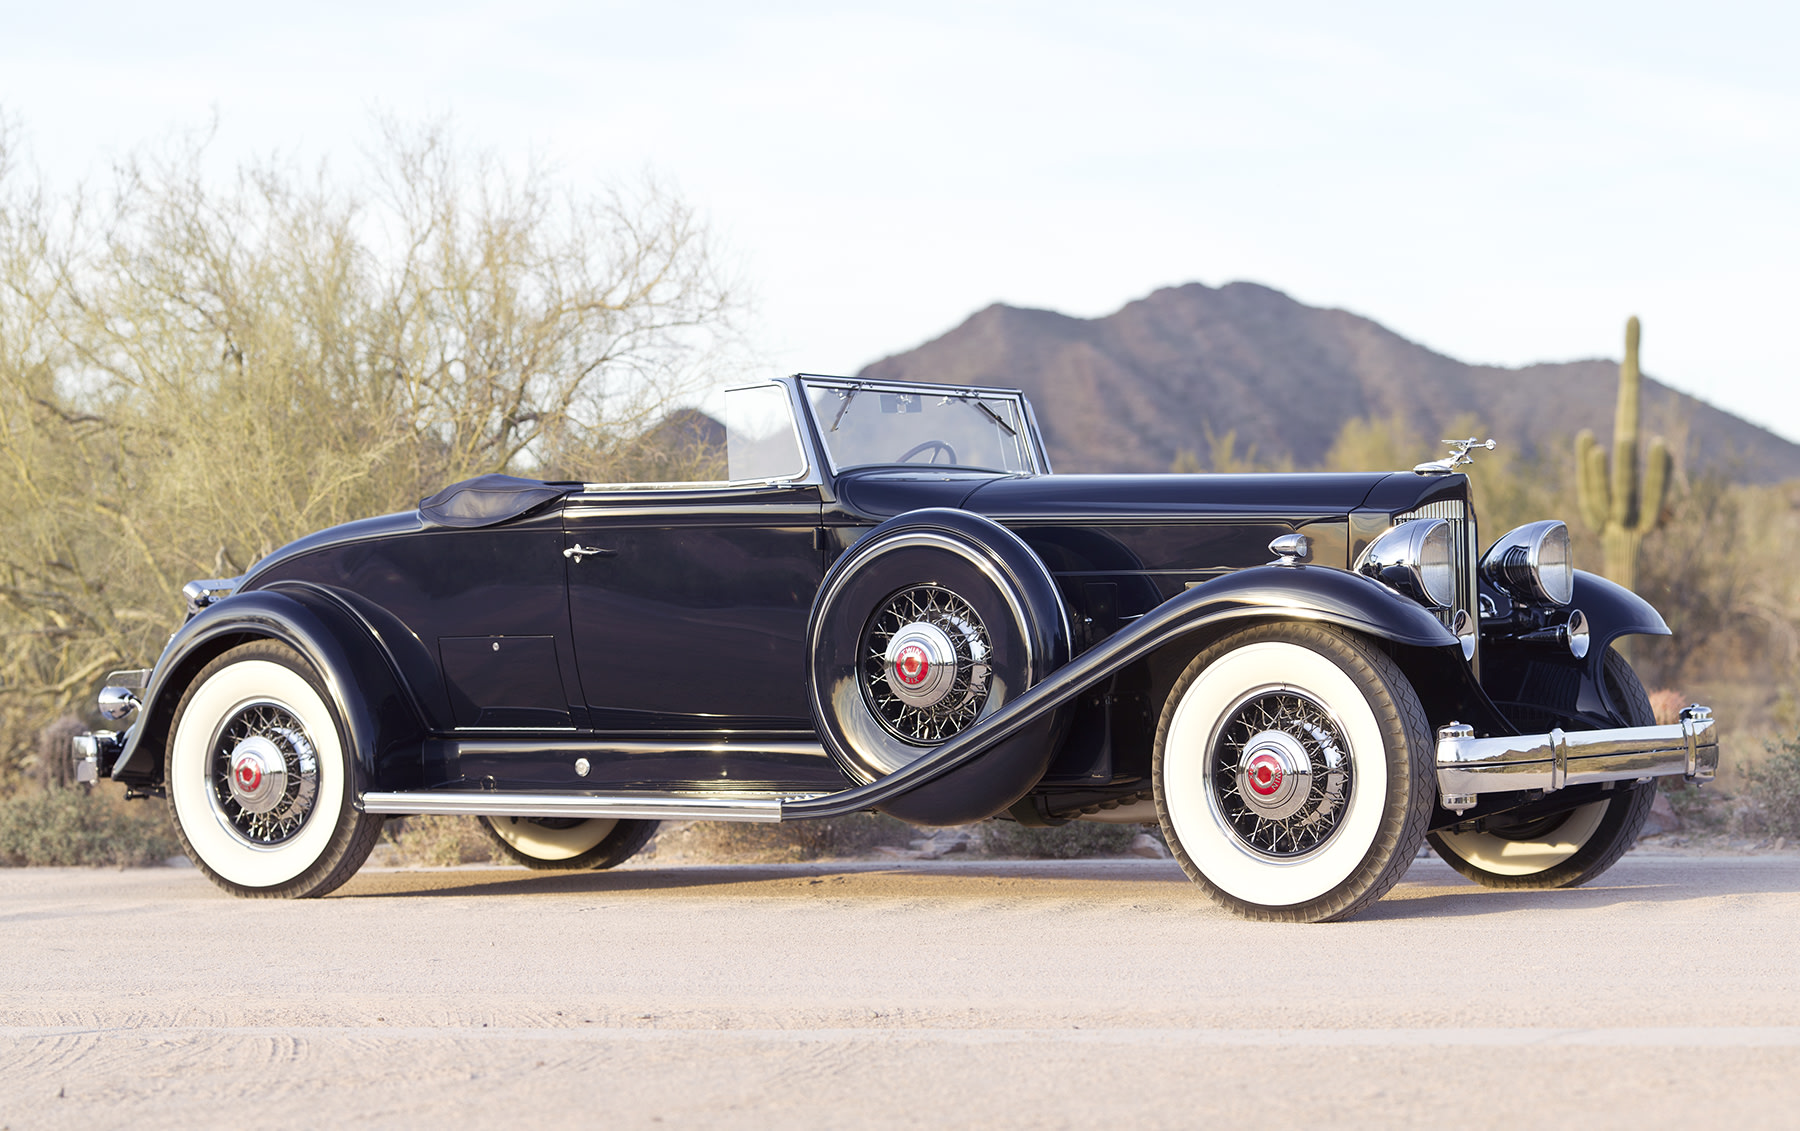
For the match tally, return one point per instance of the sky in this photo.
(1505, 184)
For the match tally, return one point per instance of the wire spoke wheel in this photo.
(264, 774)
(1294, 772)
(926, 664)
(260, 782)
(1281, 774)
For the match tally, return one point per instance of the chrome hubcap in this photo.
(926, 664)
(920, 664)
(1280, 774)
(265, 774)
(258, 775)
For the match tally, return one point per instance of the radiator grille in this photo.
(1463, 550)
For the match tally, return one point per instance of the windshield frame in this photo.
(1029, 439)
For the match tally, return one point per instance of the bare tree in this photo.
(193, 372)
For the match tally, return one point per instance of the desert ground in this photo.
(898, 995)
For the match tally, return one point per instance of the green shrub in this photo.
(1702, 808)
(1773, 789)
(440, 842)
(84, 828)
(1073, 841)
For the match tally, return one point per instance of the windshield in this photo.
(866, 424)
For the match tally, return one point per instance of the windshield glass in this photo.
(871, 424)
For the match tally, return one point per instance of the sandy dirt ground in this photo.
(970, 993)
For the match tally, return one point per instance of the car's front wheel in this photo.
(1294, 772)
(258, 779)
(1565, 849)
(569, 843)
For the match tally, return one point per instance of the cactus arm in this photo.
(1591, 488)
(1657, 464)
(1625, 432)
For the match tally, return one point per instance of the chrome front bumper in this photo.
(1468, 766)
(94, 753)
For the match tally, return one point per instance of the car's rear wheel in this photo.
(1563, 849)
(258, 778)
(1294, 772)
(559, 843)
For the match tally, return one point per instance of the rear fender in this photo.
(380, 720)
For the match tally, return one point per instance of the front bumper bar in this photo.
(94, 754)
(1468, 766)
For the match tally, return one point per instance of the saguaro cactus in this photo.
(1617, 507)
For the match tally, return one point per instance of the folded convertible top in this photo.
(489, 499)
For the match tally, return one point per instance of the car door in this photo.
(689, 606)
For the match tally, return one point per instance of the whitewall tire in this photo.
(1293, 772)
(553, 843)
(258, 779)
(1563, 849)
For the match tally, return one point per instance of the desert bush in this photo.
(1773, 790)
(1073, 841)
(738, 842)
(83, 828)
(441, 842)
(196, 368)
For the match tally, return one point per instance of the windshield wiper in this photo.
(991, 415)
(848, 395)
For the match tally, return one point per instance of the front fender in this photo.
(1613, 611)
(1305, 593)
(1315, 593)
(381, 722)
(1543, 685)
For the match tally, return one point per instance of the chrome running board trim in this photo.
(648, 806)
(1469, 766)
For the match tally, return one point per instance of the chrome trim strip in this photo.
(1468, 766)
(601, 747)
(654, 807)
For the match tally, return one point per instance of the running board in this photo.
(645, 806)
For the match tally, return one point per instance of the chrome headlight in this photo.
(1532, 563)
(1414, 558)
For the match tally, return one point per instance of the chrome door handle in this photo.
(578, 551)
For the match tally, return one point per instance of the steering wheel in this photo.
(932, 446)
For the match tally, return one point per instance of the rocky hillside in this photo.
(1127, 392)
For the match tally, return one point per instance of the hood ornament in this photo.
(1459, 455)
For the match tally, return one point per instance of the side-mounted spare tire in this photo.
(932, 622)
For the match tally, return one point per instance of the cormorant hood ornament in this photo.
(1459, 455)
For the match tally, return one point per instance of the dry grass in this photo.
(84, 828)
(440, 842)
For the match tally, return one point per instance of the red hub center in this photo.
(912, 665)
(249, 775)
(1265, 774)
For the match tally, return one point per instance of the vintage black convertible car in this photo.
(892, 604)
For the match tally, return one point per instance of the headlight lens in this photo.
(1532, 563)
(1414, 557)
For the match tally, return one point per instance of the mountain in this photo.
(1127, 392)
